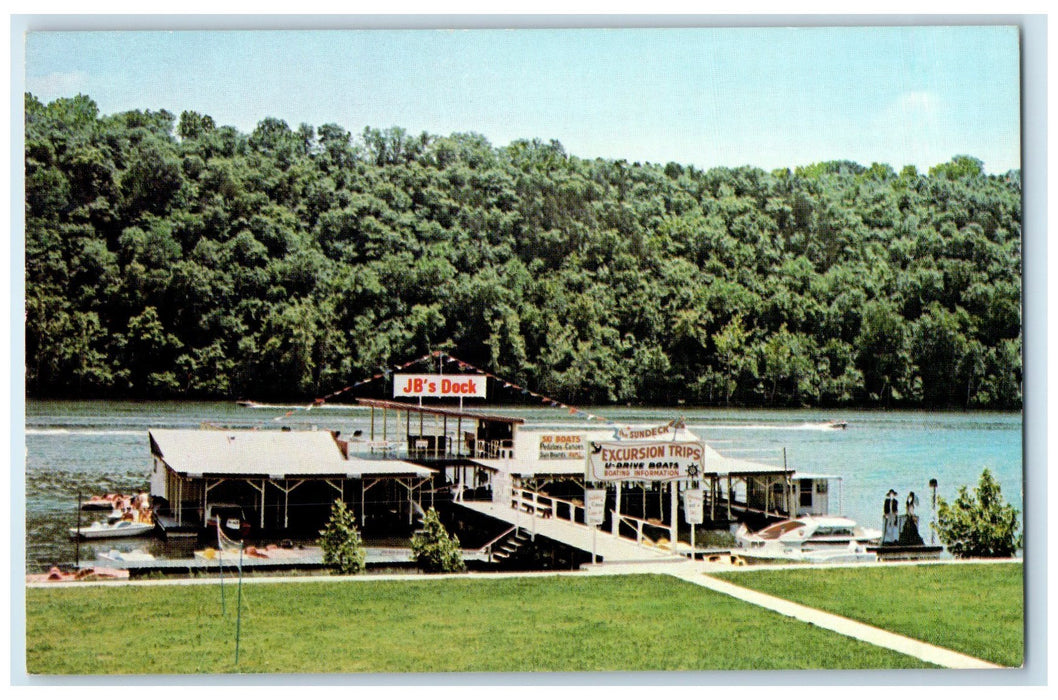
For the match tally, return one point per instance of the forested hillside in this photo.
(172, 257)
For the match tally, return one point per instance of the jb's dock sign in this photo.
(645, 460)
(439, 385)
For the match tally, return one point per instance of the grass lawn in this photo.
(612, 623)
(976, 609)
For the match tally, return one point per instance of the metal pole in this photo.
(220, 569)
(933, 522)
(77, 540)
(238, 610)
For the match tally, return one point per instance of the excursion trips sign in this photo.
(644, 460)
(440, 385)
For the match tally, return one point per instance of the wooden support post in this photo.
(729, 497)
(616, 524)
(674, 512)
(713, 488)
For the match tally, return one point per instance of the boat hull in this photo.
(102, 533)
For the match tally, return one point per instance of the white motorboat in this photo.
(103, 530)
(814, 538)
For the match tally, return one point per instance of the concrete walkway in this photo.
(697, 574)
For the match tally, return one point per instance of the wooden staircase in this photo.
(511, 546)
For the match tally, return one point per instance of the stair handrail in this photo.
(487, 547)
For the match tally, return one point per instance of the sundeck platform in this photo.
(611, 548)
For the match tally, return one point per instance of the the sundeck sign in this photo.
(648, 433)
(439, 385)
(644, 460)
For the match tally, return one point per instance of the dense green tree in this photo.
(979, 525)
(434, 549)
(178, 257)
(341, 543)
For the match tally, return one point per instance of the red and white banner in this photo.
(439, 385)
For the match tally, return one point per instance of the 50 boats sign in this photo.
(644, 460)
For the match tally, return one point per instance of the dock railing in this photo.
(541, 505)
(493, 449)
(638, 524)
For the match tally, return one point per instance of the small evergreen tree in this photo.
(340, 541)
(981, 525)
(434, 549)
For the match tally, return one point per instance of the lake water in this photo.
(97, 447)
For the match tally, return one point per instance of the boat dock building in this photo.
(499, 482)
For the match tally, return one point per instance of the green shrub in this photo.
(981, 525)
(340, 541)
(434, 549)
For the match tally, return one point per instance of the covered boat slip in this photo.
(282, 480)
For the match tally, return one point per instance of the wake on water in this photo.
(79, 431)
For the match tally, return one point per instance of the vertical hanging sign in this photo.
(694, 506)
(594, 506)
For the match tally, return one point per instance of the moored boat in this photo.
(108, 502)
(134, 555)
(820, 538)
(103, 530)
(57, 575)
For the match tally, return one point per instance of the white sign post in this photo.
(693, 511)
(594, 513)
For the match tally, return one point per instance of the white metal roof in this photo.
(568, 467)
(267, 453)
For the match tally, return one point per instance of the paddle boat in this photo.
(107, 502)
(103, 530)
(57, 575)
(813, 538)
(134, 555)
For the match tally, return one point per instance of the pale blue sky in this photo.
(768, 97)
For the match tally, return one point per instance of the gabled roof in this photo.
(271, 454)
